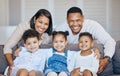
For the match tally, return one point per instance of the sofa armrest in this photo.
(116, 58)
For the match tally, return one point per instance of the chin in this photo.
(75, 32)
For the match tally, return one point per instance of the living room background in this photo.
(106, 12)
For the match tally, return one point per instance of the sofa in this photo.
(115, 64)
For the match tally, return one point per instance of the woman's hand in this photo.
(16, 52)
(9, 70)
(97, 53)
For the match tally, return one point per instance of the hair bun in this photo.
(67, 33)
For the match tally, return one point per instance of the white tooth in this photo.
(75, 27)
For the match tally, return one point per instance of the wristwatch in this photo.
(109, 59)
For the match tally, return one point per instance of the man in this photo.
(77, 24)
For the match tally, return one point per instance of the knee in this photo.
(87, 73)
(22, 72)
(52, 74)
(32, 73)
(63, 74)
(39, 73)
(75, 73)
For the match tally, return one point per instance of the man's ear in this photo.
(82, 18)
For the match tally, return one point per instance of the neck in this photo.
(85, 52)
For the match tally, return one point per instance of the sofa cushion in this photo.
(116, 58)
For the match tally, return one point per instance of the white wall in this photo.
(4, 12)
(14, 12)
(106, 12)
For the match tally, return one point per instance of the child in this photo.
(86, 64)
(31, 60)
(59, 58)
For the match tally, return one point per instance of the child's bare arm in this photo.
(16, 52)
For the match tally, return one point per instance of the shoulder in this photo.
(46, 51)
(24, 25)
(88, 22)
(72, 53)
(23, 49)
(45, 35)
(46, 39)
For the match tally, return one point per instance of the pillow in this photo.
(72, 47)
(3, 62)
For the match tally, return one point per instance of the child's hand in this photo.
(97, 53)
(16, 52)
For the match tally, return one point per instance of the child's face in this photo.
(85, 43)
(32, 44)
(59, 43)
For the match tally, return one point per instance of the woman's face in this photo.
(41, 24)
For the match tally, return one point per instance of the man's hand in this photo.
(102, 65)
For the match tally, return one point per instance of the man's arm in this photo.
(109, 43)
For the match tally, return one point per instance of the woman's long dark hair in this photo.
(42, 12)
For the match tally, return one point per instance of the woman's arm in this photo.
(13, 40)
(15, 37)
(16, 52)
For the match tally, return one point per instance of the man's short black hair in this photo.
(74, 10)
(29, 34)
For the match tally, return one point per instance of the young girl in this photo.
(59, 61)
(86, 64)
(31, 60)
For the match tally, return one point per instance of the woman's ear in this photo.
(34, 19)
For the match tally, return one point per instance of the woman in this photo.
(41, 22)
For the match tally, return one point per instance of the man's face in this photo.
(75, 21)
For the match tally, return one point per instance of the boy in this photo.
(86, 64)
(31, 60)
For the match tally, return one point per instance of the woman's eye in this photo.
(35, 42)
(61, 41)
